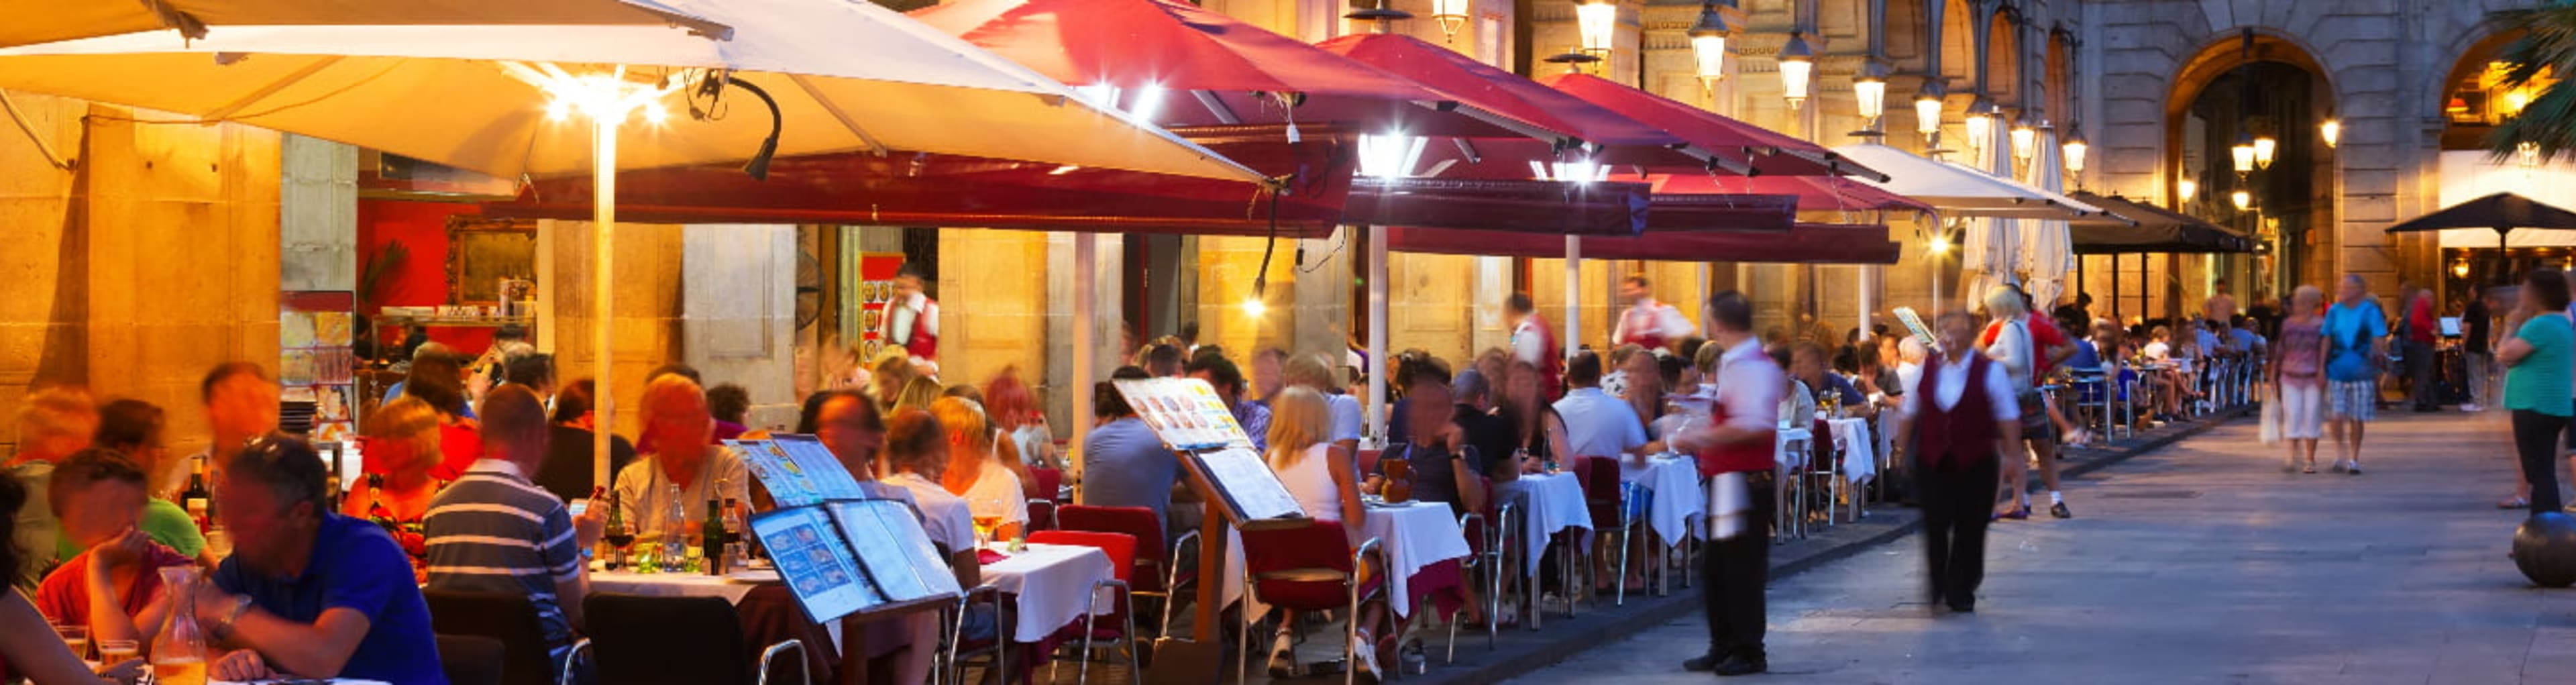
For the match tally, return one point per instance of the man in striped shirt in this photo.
(493, 531)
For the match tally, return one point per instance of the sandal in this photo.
(2514, 503)
(2312, 468)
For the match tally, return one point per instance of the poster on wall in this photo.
(316, 370)
(875, 289)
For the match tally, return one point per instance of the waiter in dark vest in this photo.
(912, 319)
(1960, 419)
(1735, 453)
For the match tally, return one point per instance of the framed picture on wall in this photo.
(484, 252)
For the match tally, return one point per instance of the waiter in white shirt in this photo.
(912, 319)
(1737, 450)
(1960, 419)
(1647, 323)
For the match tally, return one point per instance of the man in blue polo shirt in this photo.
(309, 592)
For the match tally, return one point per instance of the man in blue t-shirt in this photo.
(2354, 327)
(1124, 464)
(309, 592)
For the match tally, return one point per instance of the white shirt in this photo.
(644, 490)
(899, 318)
(1346, 416)
(1527, 343)
(943, 515)
(1950, 382)
(1648, 317)
(1749, 386)
(2013, 349)
(1310, 481)
(1598, 425)
(997, 493)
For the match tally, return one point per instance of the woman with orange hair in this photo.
(1014, 410)
(982, 468)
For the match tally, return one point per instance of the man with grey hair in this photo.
(308, 591)
(1491, 433)
(682, 462)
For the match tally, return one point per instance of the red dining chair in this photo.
(1156, 576)
(1120, 633)
(1041, 491)
(1302, 568)
(1607, 498)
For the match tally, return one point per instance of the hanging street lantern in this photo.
(1797, 62)
(2264, 146)
(2186, 189)
(1981, 123)
(1452, 15)
(2025, 141)
(2243, 153)
(1708, 46)
(1869, 90)
(2074, 149)
(1596, 19)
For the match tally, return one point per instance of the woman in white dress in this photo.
(982, 469)
(1325, 482)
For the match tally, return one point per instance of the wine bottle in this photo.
(711, 538)
(737, 555)
(196, 499)
(616, 535)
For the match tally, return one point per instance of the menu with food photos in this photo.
(1914, 323)
(894, 550)
(1194, 422)
(816, 563)
(797, 469)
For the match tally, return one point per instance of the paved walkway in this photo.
(2197, 563)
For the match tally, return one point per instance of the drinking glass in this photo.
(113, 652)
(77, 638)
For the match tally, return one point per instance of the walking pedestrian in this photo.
(2476, 327)
(2539, 360)
(2019, 353)
(2354, 329)
(2417, 333)
(1960, 420)
(2298, 375)
(1736, 451)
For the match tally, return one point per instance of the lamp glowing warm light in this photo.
(1254, 307)
(1452, 15)
(2244, 200)
(2186, 189)
(607, 98)
(2074, 149)
(2459, 269)
(2024, 141)
(1708, 46)
(2243, 155)
(1940, 244)
(1981, 123)
(1391, 155)
(1927, 110)
(2331, 130)
(1797, 62)
(2263, 148)
(2528, 153)
(1596, 19)
(1578, 171)
(1869, 91)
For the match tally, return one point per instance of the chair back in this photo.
(1302, 568)
(470, 659)
(1152, 554)
(1043, 483)
(506, 617)
(1121, 549)
(676, 640)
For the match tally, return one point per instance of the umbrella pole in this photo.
(1086, 254)
(1573, 294)
(603, 226)
(1377, 332)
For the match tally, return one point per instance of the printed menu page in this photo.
(1185, 412)
(797, 470)
(1914, 324)
(817, 566)
(1250, 488)
(894, 550)
(830, 478)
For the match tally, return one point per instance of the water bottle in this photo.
(675, 528)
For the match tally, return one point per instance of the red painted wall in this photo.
(422, 278)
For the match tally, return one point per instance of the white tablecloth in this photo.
(1414, 535)
(1052, 584)
(1859, 448)
(1678, 498)
(732, 588)
(1793, 437)
(1550, 503)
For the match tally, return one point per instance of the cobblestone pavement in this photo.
(2197, 563)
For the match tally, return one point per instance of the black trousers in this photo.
(1732, 577)
(1958, 501)
(2419, 375)
(2535, 438)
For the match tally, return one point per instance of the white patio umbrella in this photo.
(45, 21)
(836, 75)
(2047, 251)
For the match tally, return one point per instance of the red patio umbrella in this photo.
(1804, 244)
(1769, 151)
(1814, 193)
(1210, 69)
(1619, 139)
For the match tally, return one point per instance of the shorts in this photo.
(2035, 424)
(2301, 417)
(2355, 400)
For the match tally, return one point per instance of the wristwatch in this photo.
(224, 626)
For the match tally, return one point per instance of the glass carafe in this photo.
(179, 651)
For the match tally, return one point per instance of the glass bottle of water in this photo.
(675, 528)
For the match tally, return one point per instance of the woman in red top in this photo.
(99, 495)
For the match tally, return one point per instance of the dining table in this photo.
(769, 611)
(1049, 586)
(1678, 497)
(1424, 546)
(1550, 503)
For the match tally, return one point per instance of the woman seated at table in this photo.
(983, 467)
(1542, 431)
(403, 440)
(916, 452)
(1325, 481)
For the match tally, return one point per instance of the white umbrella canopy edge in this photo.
(1960, 190)
(438, 93)
(177, 21)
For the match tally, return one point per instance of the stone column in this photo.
(993, 309)
(738, 313)
(1056, 386)
(646, 324)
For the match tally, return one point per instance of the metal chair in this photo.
(956, 652)
(1121, 634)
(1608, 498)
(1293, 569)
(1790, 519)
(510, 618)
(1158, 573)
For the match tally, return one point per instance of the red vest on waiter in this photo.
(1642, 326)
(1750, 456)
(1964, 434)
(920, 342)
(1551, 358)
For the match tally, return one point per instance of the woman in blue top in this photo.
(2354, 327)
(2540, 359)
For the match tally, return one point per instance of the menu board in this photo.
(1914, 322)
(1185, 412)
(315, 363)
(797, 469)
(894, 549)
(1250, 489)
(815, 562)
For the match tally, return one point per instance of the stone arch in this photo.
(2457, 132)
(2217, 57)
(2002, 72)
(2255, 83)
(1958, 41)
